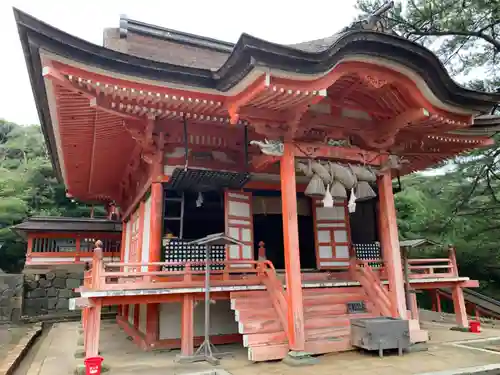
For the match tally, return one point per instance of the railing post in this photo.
(453, 259)
(97, 266)
(187, 273)
(262, 251)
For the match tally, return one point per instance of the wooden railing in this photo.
(147, 275)
(434, 268)
(278, 296)
(372, 285)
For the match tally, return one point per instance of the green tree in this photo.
(461, 206)
(464, 34)
(28, 187)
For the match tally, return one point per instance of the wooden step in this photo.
(249, 294)
(267, 353)
(268, 313)
(280, 351)
(332, 291)
(328, 346)
(327, 309)
(260, 326)
(275, 338)
(332, 300)
(251, 303)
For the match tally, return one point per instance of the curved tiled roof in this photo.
(314, 57)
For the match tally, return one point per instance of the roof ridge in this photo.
(127, 24)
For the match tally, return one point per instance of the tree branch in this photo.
(476, 34)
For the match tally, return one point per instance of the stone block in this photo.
(59, 283)
(76, 275)
(32, 285)
(44, 283)
(37, 293)
(51, 292)
(5, 312)
(15, 316)
(52, 303)
(50, 276)
(64, 293)
(13, 280)
(61, 273)
(8, 293)
(62, 304)
(80, 353)
(73, 283)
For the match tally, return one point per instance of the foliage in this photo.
(461, 206)
(465, 34)
(28, 186)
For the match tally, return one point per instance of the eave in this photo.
(250, 53)
(249, 56)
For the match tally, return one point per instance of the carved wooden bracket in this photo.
(385, 133)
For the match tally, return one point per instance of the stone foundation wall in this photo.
(49, 293)
(11, 297)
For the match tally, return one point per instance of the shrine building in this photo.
(294, 152)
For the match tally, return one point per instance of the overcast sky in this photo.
(279, 21)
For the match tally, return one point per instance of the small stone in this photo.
(80, 341)
(80, 353)
(80, 369)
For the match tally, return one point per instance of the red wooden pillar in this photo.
(414, 306)
(93, 326)
(459, 306)
(153, 309)
(390, 244)
(187, 326)
(296, 334)
(93, 330)
(436, 300)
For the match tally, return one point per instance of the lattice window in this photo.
(368, 251)
(177, 250)
(54, 245)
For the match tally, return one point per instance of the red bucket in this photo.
(474, 326)
(93, 365)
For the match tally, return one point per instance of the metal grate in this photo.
(177, 250)
(205, 180)
(369, 251)
(356, 307)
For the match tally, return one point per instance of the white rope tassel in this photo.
(328, 199)
(352, 202)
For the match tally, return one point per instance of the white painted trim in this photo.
(49, 88)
